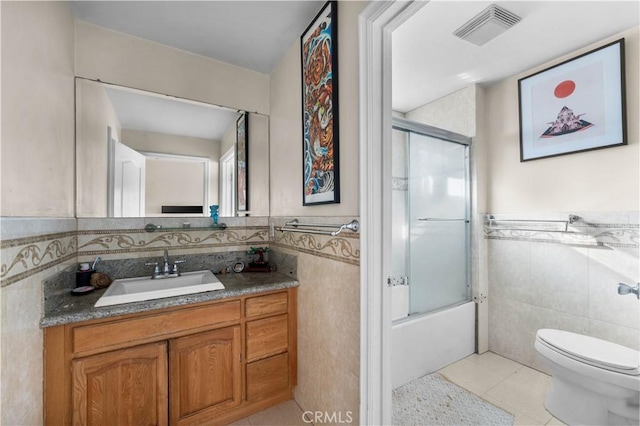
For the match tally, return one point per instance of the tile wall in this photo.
(31, 250)
(118, 238)
(541, 279)
(328, 316)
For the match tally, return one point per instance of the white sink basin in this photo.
(138, 289)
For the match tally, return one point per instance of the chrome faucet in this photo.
(166, 271)
(626, 289)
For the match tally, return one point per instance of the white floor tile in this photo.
(287, 413)
(496, 363)
(468, 374)
(523, 393)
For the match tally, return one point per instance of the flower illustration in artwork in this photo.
(566, 122)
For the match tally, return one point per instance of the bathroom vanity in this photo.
(219, 357)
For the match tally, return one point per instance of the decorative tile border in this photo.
(104, 242)
(579, 234)
(339, 248)
(27, 256)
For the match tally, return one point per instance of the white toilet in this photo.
(594, 382)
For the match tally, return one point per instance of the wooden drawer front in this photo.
(272, 304)
(267, 337)
(267, 376)
(117, 333)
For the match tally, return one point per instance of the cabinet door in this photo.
(206, 375)
(124, 387)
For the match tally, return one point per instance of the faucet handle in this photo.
(156, 270)
(175, 266)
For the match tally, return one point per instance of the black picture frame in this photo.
(320, 113)
(553, 102)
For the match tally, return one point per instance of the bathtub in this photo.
(425, 343)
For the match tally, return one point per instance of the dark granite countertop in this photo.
(64, 308)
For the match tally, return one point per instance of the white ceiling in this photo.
(430, 62)
(249, 34)
(162, 114)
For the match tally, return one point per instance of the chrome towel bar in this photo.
(296, 226)
(564, 224)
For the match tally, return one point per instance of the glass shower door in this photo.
(438, 221)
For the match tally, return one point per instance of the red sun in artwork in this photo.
(564, 89)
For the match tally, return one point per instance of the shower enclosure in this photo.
(434, 318)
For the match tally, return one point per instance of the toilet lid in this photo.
(595, 351)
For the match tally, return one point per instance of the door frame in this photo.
(375, 25)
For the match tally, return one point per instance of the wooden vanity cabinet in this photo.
(210, 363)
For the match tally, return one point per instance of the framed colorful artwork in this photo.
(319, 55)
(577, 105)
(242, 163)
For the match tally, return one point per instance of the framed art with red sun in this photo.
(577, 105)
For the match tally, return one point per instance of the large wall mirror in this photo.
(142, 154)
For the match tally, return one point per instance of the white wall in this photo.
(600, 180)
(37, 113)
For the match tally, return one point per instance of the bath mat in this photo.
(433, 400)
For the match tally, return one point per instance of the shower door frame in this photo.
(410, 126)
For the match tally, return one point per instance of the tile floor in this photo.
(507, 384)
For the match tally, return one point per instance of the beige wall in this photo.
(286, 127)
(95, 114)
(37, 180)
(166, 144)
(117, 58)
(174, 183)
(328, 303)
(455, 112)
(37, 113)
(601, 180)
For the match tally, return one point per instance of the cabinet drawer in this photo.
(267, 337)
(94, 338)
(267, 376)
(272, 304)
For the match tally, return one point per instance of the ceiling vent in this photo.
(487, 25)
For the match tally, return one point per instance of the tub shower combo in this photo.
(433, 315)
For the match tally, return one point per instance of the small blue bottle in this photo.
(214, 213)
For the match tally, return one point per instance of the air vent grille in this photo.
(486, 25)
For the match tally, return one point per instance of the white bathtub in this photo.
(426, 343)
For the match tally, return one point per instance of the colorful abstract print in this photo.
(317, 74)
